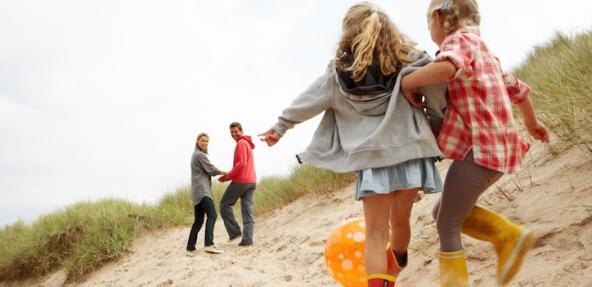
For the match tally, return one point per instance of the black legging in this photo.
(205, 206)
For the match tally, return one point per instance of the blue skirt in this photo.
(416, 173)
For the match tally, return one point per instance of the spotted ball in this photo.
(344, 253)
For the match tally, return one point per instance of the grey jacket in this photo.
(365, 131)
(201, 176)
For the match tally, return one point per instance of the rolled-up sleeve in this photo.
(455, 50)
(517, 90)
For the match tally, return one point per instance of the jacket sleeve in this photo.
(240, 159)
(314, 100)
(207, 166)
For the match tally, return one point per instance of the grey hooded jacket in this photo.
(366, 131)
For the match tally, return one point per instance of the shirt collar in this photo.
(469, 29)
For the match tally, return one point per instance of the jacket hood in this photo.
(370, 94)
(248, 139)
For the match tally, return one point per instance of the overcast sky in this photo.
(105, 98)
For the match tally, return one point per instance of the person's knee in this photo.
(223, 205)
(377, 232)
(400, 222)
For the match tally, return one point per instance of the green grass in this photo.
(560, 73)
(85, 236)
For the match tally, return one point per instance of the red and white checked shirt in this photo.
(479, 113)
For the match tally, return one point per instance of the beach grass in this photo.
(560, 73)
(82, 237)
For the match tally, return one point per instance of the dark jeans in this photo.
(205, 206)
(231, 195)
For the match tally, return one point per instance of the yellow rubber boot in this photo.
(511, 241)
(453, 269)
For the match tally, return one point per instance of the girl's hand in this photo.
(271, 137)
(538, 132)
(411, 94)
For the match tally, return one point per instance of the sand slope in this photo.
(552, 195)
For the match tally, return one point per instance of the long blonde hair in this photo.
(456, 13)
(200, 135)
(368, 33)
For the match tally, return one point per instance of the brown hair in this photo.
(200, 135)
(368, 33)
(235, 125)
(456, 13)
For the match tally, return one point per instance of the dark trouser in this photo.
(205, 206)
(231, 195)
(465, 182)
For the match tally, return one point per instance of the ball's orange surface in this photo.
(344, 253)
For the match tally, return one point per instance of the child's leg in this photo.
(400, 213)
(401, 205)
(376, 217)
(465, 182)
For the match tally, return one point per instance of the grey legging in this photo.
(465, 182)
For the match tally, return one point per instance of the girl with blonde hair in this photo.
(479, 133)
(369, 128)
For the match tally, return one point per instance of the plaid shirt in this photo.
(479, 113)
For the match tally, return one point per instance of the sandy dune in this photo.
(552, 195)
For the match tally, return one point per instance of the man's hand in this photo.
(270, 137)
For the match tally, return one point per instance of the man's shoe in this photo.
(212, 249)
(242, 243)
(190, 253)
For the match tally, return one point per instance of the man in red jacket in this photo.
(242, 185)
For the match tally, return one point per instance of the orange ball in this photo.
(344, 253)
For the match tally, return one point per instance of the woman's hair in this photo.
(368, 33)
(200, 135)
(456, 13)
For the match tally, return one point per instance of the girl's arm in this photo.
(536, 130)
(518, 92)
(430, 74)
(316, 99)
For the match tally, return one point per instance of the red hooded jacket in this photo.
(243, 170)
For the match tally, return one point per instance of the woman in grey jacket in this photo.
(201, 194)
(370, 128)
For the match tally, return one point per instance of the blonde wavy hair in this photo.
(456, 13)
(200, 135)
(368, 33)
